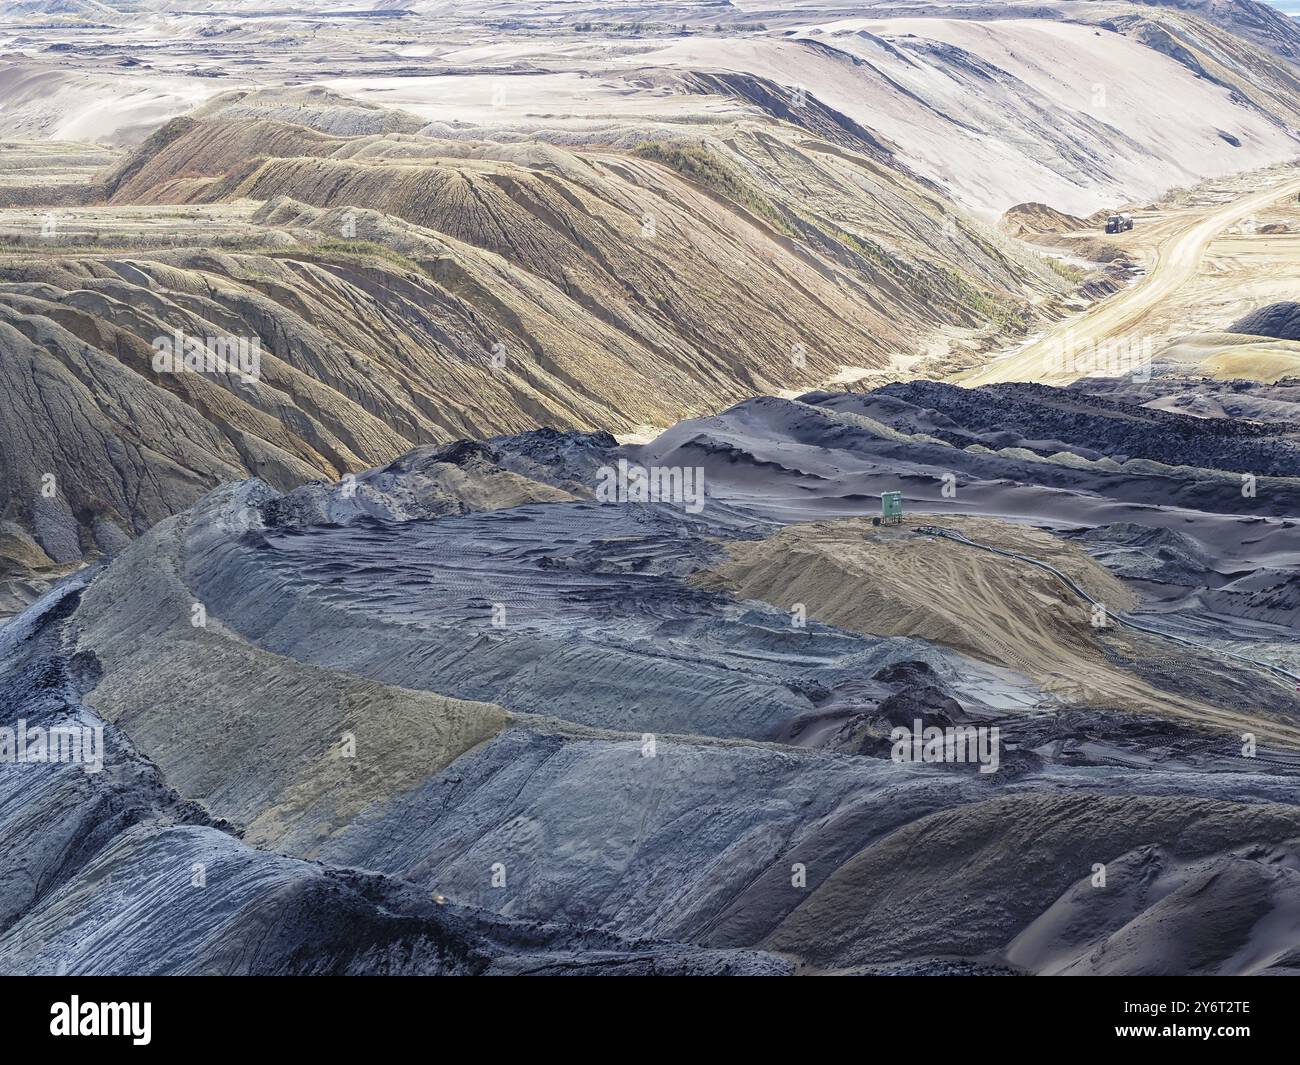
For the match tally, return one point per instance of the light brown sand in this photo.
(895, 582)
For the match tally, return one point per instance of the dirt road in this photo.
(1111, 332)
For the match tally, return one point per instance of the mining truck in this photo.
(1118, 223)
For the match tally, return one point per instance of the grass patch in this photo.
(1069, 271)
(696, 162)
(355, 249)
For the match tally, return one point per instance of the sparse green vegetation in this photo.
(940, 284)
(699, 164)
(1069, 271)
(357, 249)
(632, 29)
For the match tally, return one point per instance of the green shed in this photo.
(891, 508)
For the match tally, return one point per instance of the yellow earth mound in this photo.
(1235, 357)
(896, 582)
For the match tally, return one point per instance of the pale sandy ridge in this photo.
(1121, 316)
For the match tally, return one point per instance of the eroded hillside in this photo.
(402, 290)
(514, 488)
(634, 223)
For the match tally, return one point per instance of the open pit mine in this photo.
(629, 488)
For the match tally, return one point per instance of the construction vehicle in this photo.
(1118, 223)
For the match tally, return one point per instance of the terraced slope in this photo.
(403, 291)
(524, 738)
